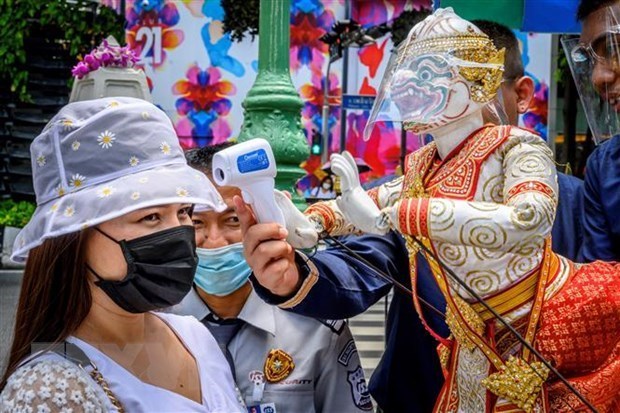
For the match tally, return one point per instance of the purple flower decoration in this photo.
(106, 55)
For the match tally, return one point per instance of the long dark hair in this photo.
(54, 299)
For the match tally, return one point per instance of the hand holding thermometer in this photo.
(251, 167)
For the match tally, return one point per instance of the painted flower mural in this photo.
(306, 29)
(536, 116)
(150, 31)
(216, 42)
(203, 107)
(312, 94)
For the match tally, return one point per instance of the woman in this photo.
(111, 241)
(325, 190)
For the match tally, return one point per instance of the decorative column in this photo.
(273, 106)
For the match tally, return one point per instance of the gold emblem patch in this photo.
(278, 365)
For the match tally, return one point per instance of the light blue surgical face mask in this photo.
(222, 270)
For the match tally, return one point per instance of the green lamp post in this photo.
(273, 106)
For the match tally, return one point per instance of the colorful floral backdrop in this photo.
(200, 77)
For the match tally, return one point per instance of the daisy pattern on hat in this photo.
(41, 160)
(69, 211)
(67, 124)
(134, 161)
(59, 190)
(106, 139)
(75, 145)
(165, 148)
(106, 191)
(77, 180)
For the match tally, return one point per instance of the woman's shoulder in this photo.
(50, 383)
(179, 322)
(188, 328)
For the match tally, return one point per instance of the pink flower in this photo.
(105, 56)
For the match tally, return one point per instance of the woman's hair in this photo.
(54, 299)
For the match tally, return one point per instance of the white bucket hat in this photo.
(100, 159)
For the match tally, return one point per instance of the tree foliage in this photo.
(81, 25)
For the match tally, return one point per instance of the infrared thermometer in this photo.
(251, 167)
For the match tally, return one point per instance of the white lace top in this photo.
(49, 383)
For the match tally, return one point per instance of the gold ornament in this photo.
(444, 355)
(278, 365)
(469, 47)
(473, 320)
(518, 382)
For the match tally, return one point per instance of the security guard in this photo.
(282, 362)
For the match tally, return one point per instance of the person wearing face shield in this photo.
(279, 359)
(594, 60)
(110, 243)
(481, 198)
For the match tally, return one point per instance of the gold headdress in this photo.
(471, 47)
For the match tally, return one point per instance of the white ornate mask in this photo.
(446, 70)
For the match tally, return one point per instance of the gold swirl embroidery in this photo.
(529, 164)
(485, 254)
(484, 206)
(533, 212)
(493, 188)
(442, 215)
(483, 232)
(454, 255)
(390, 192)
(529, 245)
(520, 265)
(483, 281)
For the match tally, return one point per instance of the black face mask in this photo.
(160, 270)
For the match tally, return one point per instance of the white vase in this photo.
(111, 82)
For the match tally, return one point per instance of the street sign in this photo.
(357, 102)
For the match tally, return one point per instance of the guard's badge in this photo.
(278, 365)
(359, 390)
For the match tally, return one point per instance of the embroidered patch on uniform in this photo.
(278, 365)
(337, 326)
(359, 390)
(347, 352)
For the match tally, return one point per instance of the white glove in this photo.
(356, 205)
(302, 232)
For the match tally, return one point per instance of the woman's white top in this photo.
(49, 383)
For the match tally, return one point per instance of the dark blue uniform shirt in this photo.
(567, 231)
(601, 216)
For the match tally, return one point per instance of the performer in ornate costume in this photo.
(482, 199)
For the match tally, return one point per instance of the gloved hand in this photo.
(356, 205)
(302, 232)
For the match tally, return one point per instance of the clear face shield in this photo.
(430, 84)
(594, 61)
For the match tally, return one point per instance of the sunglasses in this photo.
(604, 49)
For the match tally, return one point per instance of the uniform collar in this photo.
(259, 314)
(255, 311)
(192, 305)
